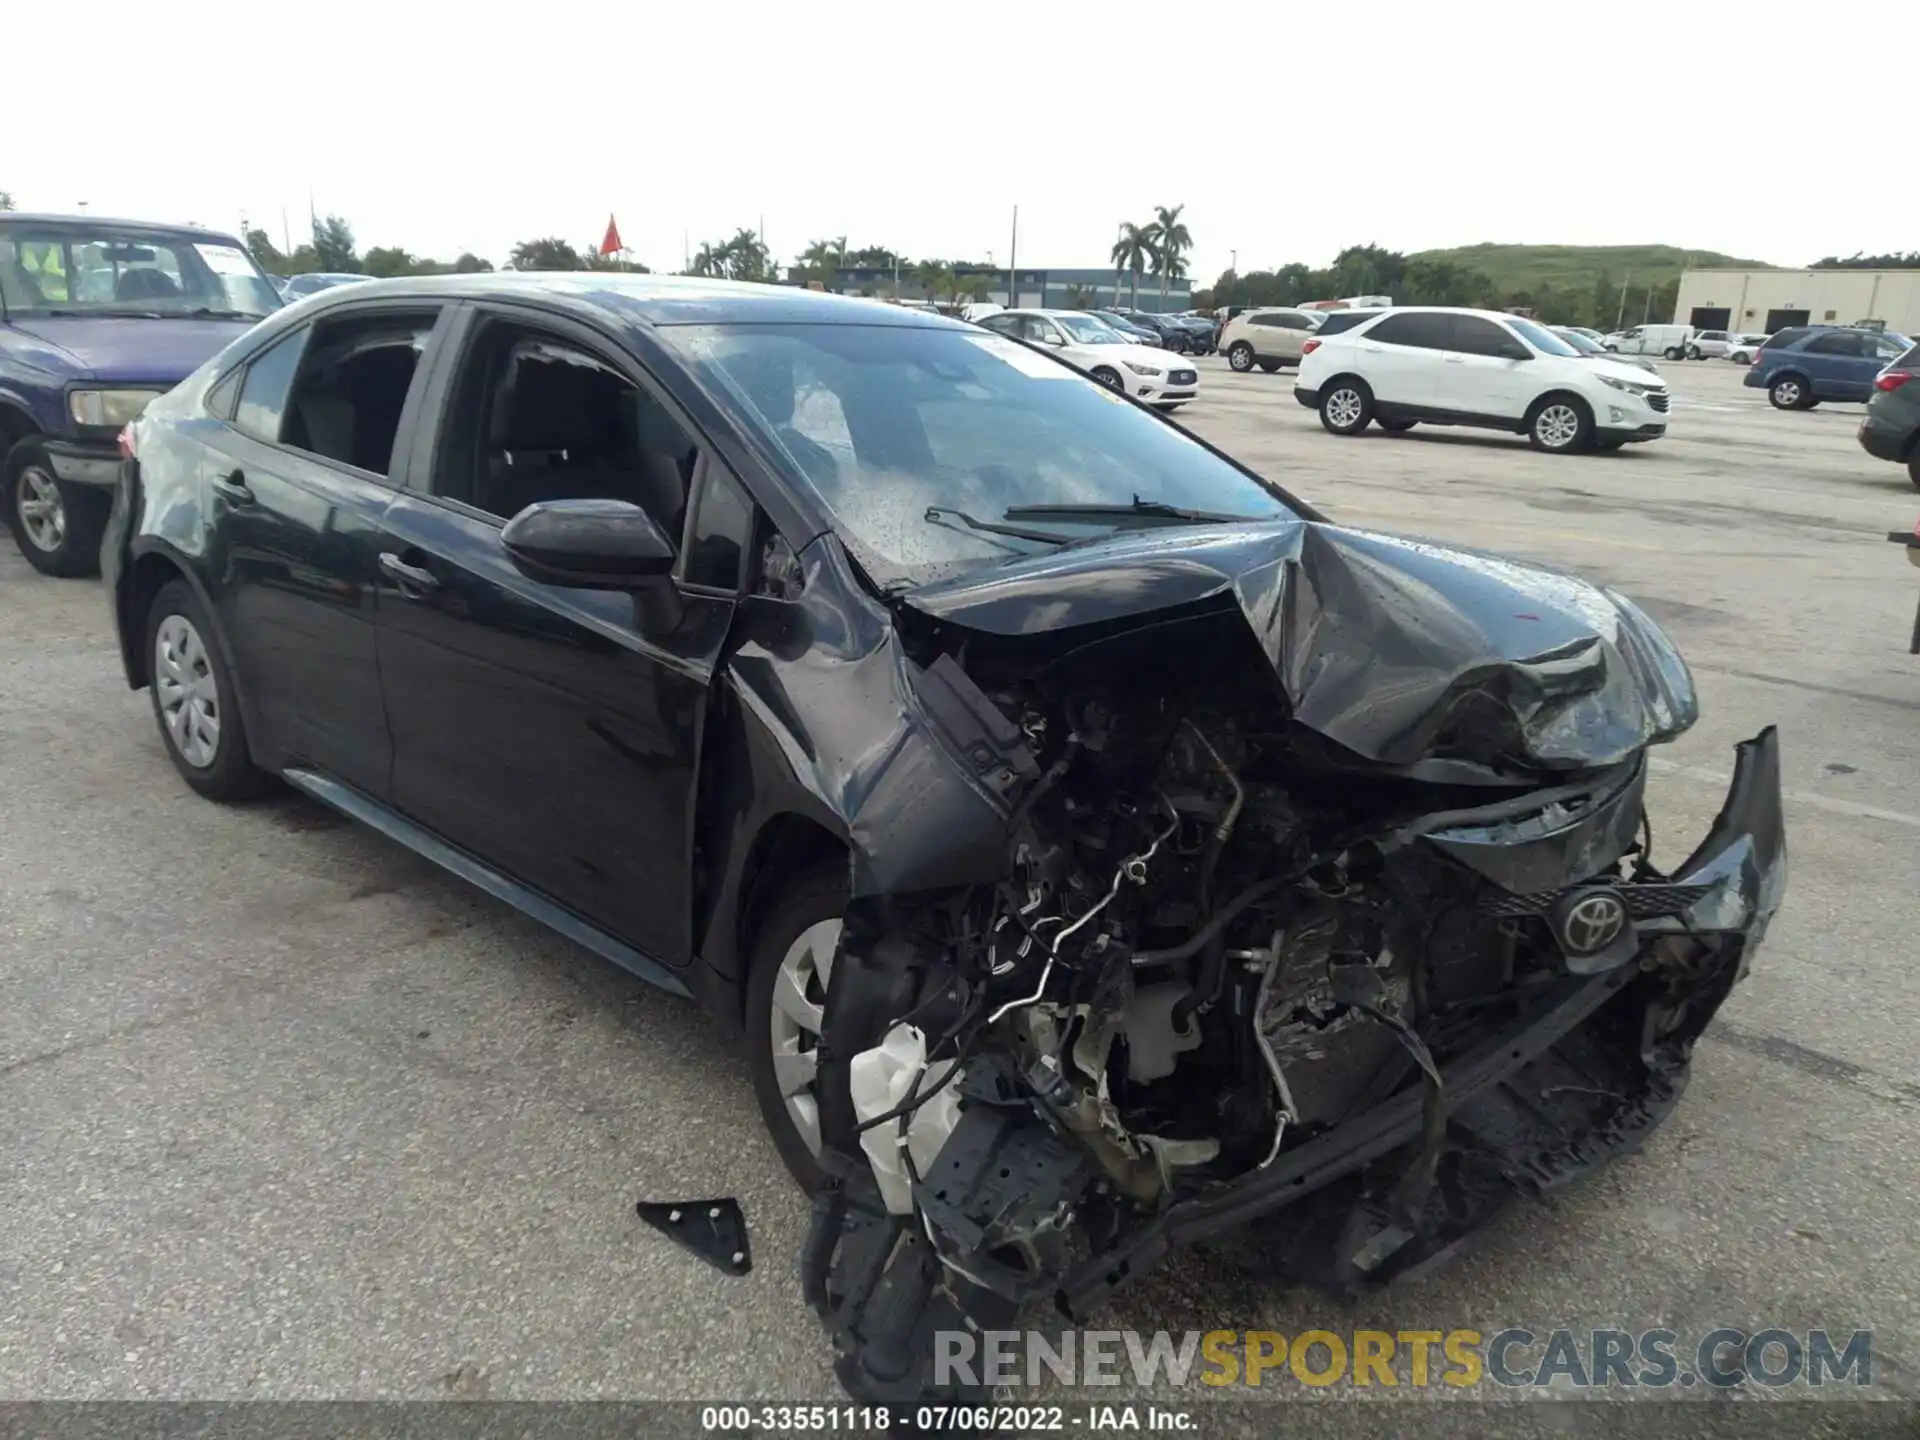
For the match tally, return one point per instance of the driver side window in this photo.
(537, 418)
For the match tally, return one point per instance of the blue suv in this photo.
(96, 318)
(1801, 366)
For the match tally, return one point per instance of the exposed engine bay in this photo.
(1239, 980)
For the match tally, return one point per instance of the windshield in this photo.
(1579, 341)
(52, 268)
(884, 422)
(1089, 331)
(1541, 338)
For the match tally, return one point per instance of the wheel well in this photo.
(144, 579)
(787, 845)
(1346, 377)
(15, 426)
(1533, 410)
(1783, 373)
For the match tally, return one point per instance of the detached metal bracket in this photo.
(715, 1230)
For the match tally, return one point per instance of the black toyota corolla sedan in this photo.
(1098, 849)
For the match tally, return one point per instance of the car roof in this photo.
(649, 299)
(103, 222)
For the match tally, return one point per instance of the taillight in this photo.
(1893, 380)
(1309, 347)
(126, 441)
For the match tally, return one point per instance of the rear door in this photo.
(299, 480)
(553, 732)
(1401, 357)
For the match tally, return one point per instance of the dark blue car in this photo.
(96, 318)
(1800, 367)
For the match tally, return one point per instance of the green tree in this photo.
(822, 258)
(1169, 241)
(874, 257)
(333, 245)
(471, 264)
(550, 253)
(386, 260)
(262, 249)
(1606, 302)
(1130, 255)
(933, 277)
(1079, 297)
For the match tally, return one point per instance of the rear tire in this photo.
(1913, 469)
(1674, 352)
(191, 687)
(1560, 423)
(56, 524)
(1790, 392)
(791, 960)
(1346, 405)
(1240, 356)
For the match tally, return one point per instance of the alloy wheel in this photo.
(1343, 408)
(1240, 358)
(43, 515)
(1787, 393)
(1558, 426)
(795, 1019)
(1109, 378)
(188, 694)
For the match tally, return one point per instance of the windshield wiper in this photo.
(203, 313)
(939, 514)
(1142, 509)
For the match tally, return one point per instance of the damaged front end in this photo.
(1340, 977)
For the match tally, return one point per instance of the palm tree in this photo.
(1168, 237)
(707, 261)
(1131, 251)
(933, 277)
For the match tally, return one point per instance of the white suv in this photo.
(1481, 368)
(1268, 337)
(1162, 378)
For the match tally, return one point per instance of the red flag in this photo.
(611, 244)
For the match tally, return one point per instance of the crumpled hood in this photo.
(1401, 651)
(130, 351)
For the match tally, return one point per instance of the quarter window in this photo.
(263, 394)
(1839, 343)
(721, 533)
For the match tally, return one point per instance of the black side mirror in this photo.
(588, 545)
(1513, 350)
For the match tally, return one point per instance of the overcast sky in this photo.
(1287, 130)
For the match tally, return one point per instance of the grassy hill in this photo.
(1528, 267)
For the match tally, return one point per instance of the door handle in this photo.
(415, 582)
(233, 488)
(1456, 359)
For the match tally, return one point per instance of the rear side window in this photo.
(353, 383)
(263, 393)
(1839, 342)
(1339, 320)
(1416, 330)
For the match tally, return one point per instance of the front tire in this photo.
(57, 525)
(1913, 469)
(191, 687)
(1790, 392)
(1110, 378)
(1240, 356)
(1693, 352)
(1346, 406)
(1560, 423)
(1269, 366)
(794, 947)
(1397, 427)
(1607, 447)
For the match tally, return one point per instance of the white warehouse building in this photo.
(1763, 301)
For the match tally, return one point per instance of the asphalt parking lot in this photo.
(286, 1113)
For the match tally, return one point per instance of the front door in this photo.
(553, 733)
(1477, 379)
(297, 484)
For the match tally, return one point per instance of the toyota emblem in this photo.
(1592, 921)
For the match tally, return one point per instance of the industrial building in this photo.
(1061, 289)
(1763, 301)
